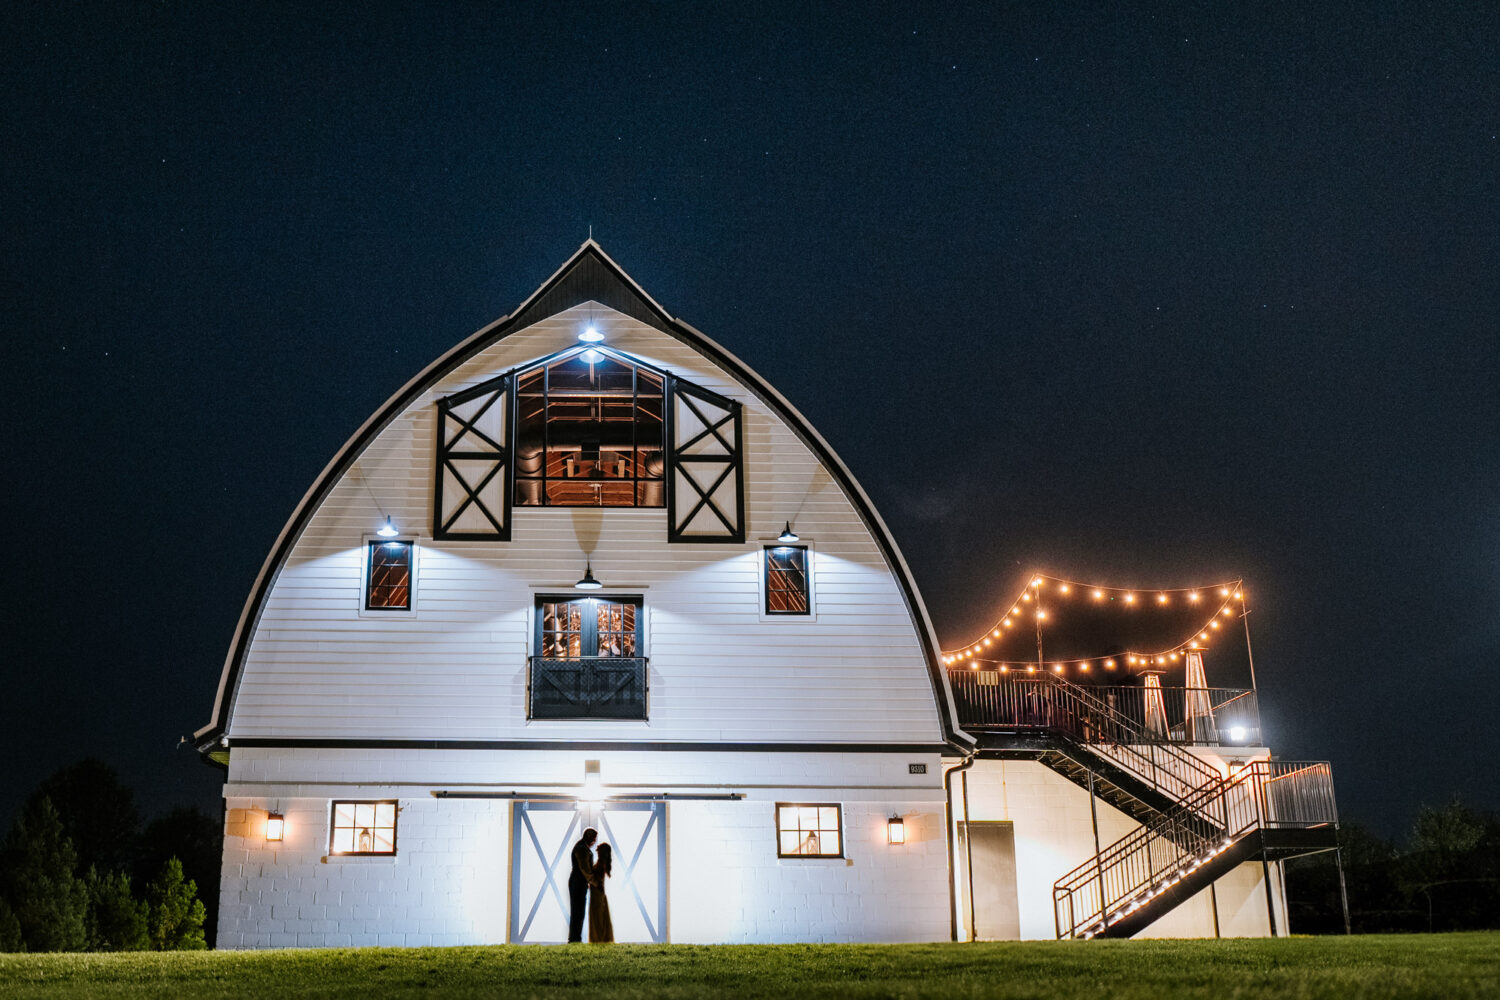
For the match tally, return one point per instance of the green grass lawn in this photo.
(1450, 966)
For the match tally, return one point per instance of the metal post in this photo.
(1213, 898)
(1098, 861)
(1338, 859)
(1265, 870)
(1250, 656)
(969, 862)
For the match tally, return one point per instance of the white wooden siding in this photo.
(456, 667)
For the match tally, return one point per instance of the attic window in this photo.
(787, 592)
(388, 583)
(589, 433)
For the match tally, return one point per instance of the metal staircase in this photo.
(1266, 810)
(1197, 824)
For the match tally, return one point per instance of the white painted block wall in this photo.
(728, 886)
(445, 886)
(448, 883)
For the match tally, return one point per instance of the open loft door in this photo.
(705, 484)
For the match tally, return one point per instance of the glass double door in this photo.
(589, 626)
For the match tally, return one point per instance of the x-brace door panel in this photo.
(542, 837)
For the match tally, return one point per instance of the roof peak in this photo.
(591, 274)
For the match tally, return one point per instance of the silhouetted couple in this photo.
(587, 881)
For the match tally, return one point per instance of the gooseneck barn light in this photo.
(588, 582)
(787, 534)
(388, 530)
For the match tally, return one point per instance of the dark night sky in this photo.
(1148, 300)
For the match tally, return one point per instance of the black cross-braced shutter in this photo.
(471, 491)
(705, 466)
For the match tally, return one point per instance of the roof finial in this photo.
(591, 231)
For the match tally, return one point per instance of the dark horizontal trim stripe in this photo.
(590, 745)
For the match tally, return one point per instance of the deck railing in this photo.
(988, 699)
(1048, 703)
(587, 687)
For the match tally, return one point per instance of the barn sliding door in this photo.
(705, 479)
(542, 839)
(472, 486)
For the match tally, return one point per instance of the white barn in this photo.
(589, 569)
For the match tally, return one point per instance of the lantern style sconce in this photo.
(275, 827)
(895, 830)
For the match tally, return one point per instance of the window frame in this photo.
(776, 824)
(763, 596)
(367, 566)
(333, 805)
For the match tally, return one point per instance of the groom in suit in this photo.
(578, 883)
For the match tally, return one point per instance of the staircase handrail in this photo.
(1187, 768)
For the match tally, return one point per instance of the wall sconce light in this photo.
(895, 830)
(788, 535)
(588, 582)
(389, 530)
(591, 335)
(1237, 733)
(592, 790)
(275, 826)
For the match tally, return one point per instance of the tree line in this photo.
(78, 871)
(1444, 875)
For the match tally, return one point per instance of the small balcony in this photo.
(586, 687)
(1214, 716)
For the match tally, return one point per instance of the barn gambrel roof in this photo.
(588, 276)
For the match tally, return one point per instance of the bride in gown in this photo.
(601, 928)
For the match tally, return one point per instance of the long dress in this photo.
(601, 928)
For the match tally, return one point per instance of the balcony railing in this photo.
(587, 687)
(988, 699)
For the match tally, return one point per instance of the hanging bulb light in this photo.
(588, 582)
(591, 335)
(788, 535)
(388, 530)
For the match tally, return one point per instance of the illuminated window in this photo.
(786, 580)
(808, 831)
(589, 433)
(363, 828)
(388, 582)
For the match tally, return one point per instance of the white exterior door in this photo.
(542, 839)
